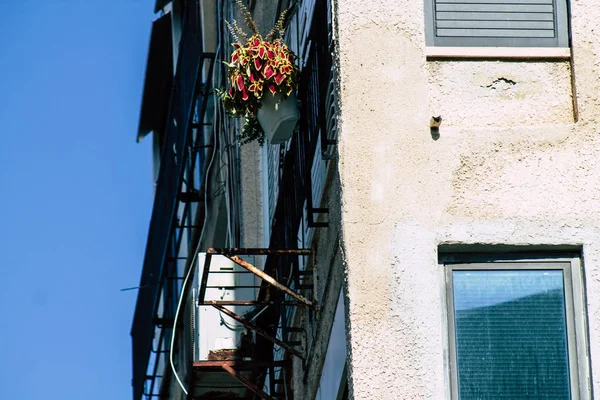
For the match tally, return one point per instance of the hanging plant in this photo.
(259, 68)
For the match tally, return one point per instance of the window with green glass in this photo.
(512, 330)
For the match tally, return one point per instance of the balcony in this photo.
(186, 111)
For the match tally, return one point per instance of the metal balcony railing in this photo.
(184, 93)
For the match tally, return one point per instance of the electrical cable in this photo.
(187, 276)
(285, 388)
(258, 313)
(224, 150)
(192, 265)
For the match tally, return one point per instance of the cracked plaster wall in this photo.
(509, 167)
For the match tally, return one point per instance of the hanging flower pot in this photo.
(263, 78)
(278, 116)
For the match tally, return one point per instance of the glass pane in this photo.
(511, 339)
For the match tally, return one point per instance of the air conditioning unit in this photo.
(216, 334)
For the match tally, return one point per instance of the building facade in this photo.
(430, 231)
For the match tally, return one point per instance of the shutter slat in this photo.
(495, 33)
(505, 20)
(544, 25)
(494, 16)
(515, 8)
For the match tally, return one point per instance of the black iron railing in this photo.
(295, 186)
(173, 158)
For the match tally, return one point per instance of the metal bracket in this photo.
(269, 279)
(258, 330)
(246, 382)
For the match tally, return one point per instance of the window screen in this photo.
(496, 23)
(511, 334)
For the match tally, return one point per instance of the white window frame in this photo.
(576, 313)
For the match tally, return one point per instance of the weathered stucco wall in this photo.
(510, 166)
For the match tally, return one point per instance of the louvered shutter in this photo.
(331, 131)
(497, 23)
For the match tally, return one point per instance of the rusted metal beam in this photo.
(202, 291)
(257, 251)
(247, 383)
(249, 302)
(239, 364)
(269, 279)
(233, 287)
(258, 330)
(212, 385)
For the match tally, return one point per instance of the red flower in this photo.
(255, 88)
(279, 78)
(256, 66)
(268, 72)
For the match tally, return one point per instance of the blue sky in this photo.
(76, 195)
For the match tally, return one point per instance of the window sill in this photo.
(553, 53)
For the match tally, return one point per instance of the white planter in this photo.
(278, 117)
